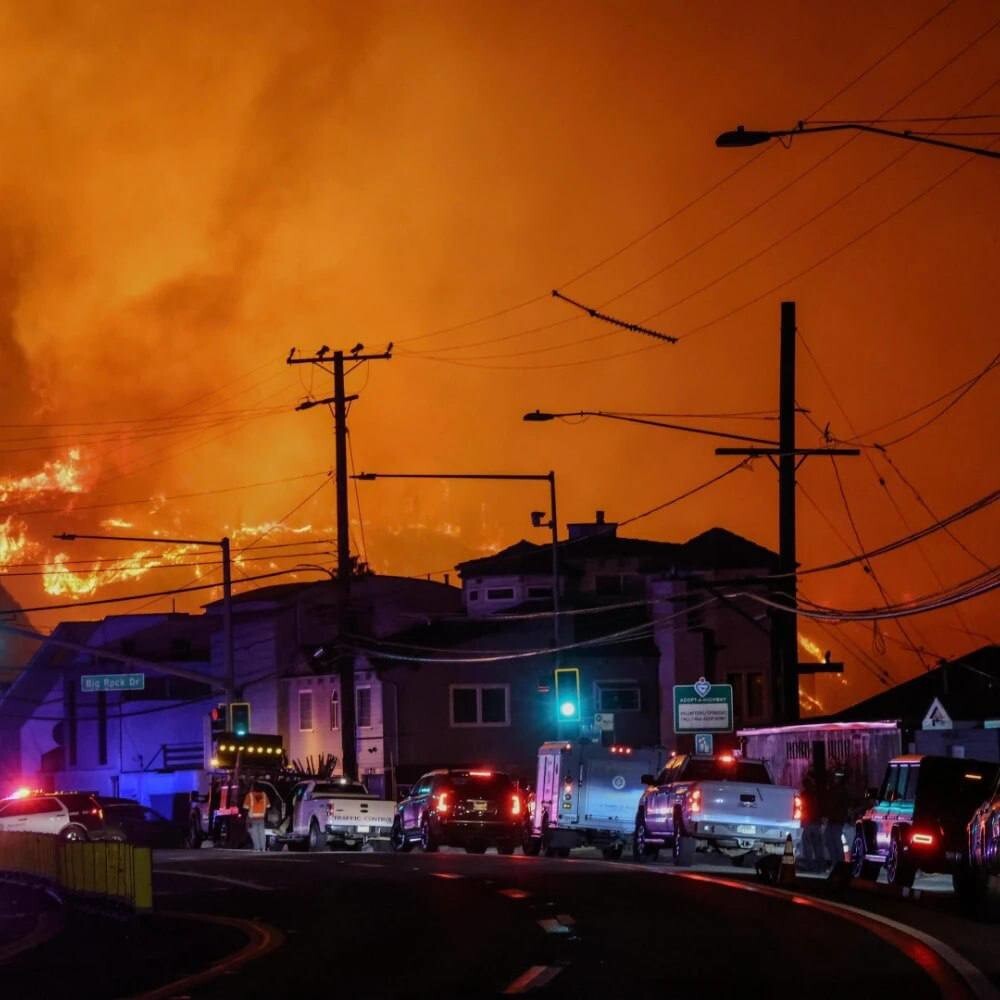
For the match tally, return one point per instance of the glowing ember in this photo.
(115, 522)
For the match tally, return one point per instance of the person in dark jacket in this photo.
(836, 811)
(812, 821)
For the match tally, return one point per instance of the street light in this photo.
(227, 589)
(536, 515)
(540, 416)
(742, 137)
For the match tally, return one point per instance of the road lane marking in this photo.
(261, 939)
(446, 875)
(534, 979)
(514, 893)
(216, 878)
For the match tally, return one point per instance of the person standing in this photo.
(812, 822)
(835, 808)
(255, 805)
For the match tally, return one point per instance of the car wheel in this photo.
(612, 853)
(73, 833)
(317, 840)
(898, 869)
(397, 838)
(531, 846)
(683, 846)
(428, 841)
(642, 850)
(861, 867)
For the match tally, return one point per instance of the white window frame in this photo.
(357, 714)
(334, 705)
(312, 718)
(478, 724)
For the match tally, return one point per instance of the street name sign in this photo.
(113, 682)
(703, 707)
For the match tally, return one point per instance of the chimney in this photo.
(598, 527)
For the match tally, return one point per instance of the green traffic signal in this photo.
(568, 693)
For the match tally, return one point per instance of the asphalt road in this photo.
(449, 924)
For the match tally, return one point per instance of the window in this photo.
(539, 592)
(480, 704)
(473, 595)
(363, 707)
(618, 696)
(335, 710)
(305, 711)
(500, 594)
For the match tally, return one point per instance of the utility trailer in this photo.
(586, 795)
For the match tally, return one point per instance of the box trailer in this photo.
(861, 750)
(586, 795)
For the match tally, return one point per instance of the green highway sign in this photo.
(703, 707)
(113, 682)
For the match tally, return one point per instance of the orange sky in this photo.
(188, 194)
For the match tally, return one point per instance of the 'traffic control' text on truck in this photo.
(722, 804)
(586, 794)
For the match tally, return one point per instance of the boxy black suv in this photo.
(918, 817)
(473, 809)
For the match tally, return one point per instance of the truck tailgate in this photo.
(351, 812)
(768, 809)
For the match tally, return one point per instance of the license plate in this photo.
(746, 828)
(479, 807)
(363, 829)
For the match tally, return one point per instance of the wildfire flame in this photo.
(57, 476)
(13, 541)
(58, 580)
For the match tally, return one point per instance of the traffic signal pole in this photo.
(345, 568)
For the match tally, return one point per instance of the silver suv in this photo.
(70, 815)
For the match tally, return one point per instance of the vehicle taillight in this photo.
(442, 802)
(922, 839)
(515, 806)
(797, 807)
(694, 800)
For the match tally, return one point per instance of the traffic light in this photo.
(217, 717)
(239, 715)
(568, 694)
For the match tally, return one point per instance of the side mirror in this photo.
(648, 779)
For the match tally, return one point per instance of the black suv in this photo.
(473, 809)
(917, 819)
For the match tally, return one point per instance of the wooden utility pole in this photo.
(784, 628)
(345, 567)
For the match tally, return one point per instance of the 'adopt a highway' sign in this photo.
(703, 707)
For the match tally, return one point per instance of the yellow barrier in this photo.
(118, 871)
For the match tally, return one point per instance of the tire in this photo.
(642, 850)
(428, 842)
(532, 846)
(397, 838)
(613, 853)
(861, 867)
(683, 846)
(317, 839)
(899, 870)
(73, 833)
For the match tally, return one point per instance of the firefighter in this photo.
(255, 805)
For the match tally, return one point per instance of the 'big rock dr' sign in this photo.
(703, 707)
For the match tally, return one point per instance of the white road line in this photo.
(552, 926)
(216, 878)
(446, 875)
(534, 979)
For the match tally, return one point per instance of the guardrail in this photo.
(119, 872)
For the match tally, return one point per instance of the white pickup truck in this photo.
(722, 804)
(332, 812)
